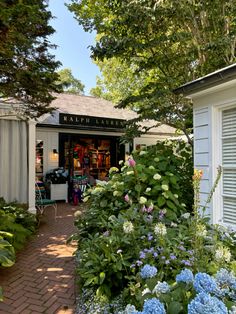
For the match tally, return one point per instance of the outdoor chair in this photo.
(42, 201)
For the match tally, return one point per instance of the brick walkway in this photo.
(42, 280)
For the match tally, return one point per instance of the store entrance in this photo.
(88, 157)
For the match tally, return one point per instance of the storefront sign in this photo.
(72, 119)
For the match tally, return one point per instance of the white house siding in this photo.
(201, 150)
(147, 140)
(208, 106)
(50, 142)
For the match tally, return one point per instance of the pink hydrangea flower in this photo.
(144, 209)
(150, 208)
(131, 162)
(126, 197)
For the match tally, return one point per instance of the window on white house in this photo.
(229, 165)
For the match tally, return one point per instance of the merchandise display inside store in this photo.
(87, 156)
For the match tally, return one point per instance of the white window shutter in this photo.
(229, 165)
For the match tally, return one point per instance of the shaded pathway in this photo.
(42, 280)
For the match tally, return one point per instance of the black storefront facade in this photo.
(85, 146)
(82, 135)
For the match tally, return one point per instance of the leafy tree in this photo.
(119, 80)
(173, 43)
(27, 69)
(69, 83)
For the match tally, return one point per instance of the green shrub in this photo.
(7, 252)
(16, 225)
(16, 220)
(122, 213)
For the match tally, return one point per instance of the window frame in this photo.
(217, 152)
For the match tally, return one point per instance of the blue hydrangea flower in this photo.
(224, 277)
(226, 282)
(204, 303)
(148, 271)
(161, 287)
(204, 283)
(185, 275)
(139, 263)
(130, 309)
(142, 255)
(153, 306)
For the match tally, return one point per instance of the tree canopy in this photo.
(171, 42)
(27, 69)
(69, 83)
(119, 80)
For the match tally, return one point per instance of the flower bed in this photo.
(137, 235)
(16, 225)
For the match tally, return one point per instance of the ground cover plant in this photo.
(137, 235)
(16, 225)
(16, 220)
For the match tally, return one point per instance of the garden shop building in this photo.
(214, 117)
(82, 135)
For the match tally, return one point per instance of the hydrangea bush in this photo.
(137, 234)
(199, 294)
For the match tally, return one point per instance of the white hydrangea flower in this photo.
(113, 169)
(116, 193)
(233, 310)
(142, 200)
(148, 190)
(160, 229)
(157, 176)
(201, 230)
(185, 215)
(165, 187)
(223, 254)
(77, 214)
(129, 173)
(143, 152)
(151, 168)
(156, 159)
(121, 162)
(128, 227)
(97, 190)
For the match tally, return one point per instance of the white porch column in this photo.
(31, 169)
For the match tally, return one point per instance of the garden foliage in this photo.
(16, 225)
(17, 221)
(137, 234)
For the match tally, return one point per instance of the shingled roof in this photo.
(96, 107)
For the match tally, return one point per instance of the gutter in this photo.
(218, 77)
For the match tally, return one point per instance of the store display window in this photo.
(84, 155)
(87, 159)
(87, 156)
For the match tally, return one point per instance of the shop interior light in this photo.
(55, 152)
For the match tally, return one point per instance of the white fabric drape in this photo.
(14, 160)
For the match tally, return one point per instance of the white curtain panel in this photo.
(14, 160)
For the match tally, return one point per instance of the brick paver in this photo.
(42, 280)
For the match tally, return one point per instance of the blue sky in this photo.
(72, 42)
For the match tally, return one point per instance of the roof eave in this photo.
(219, 77)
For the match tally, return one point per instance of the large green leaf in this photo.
(7, 253)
